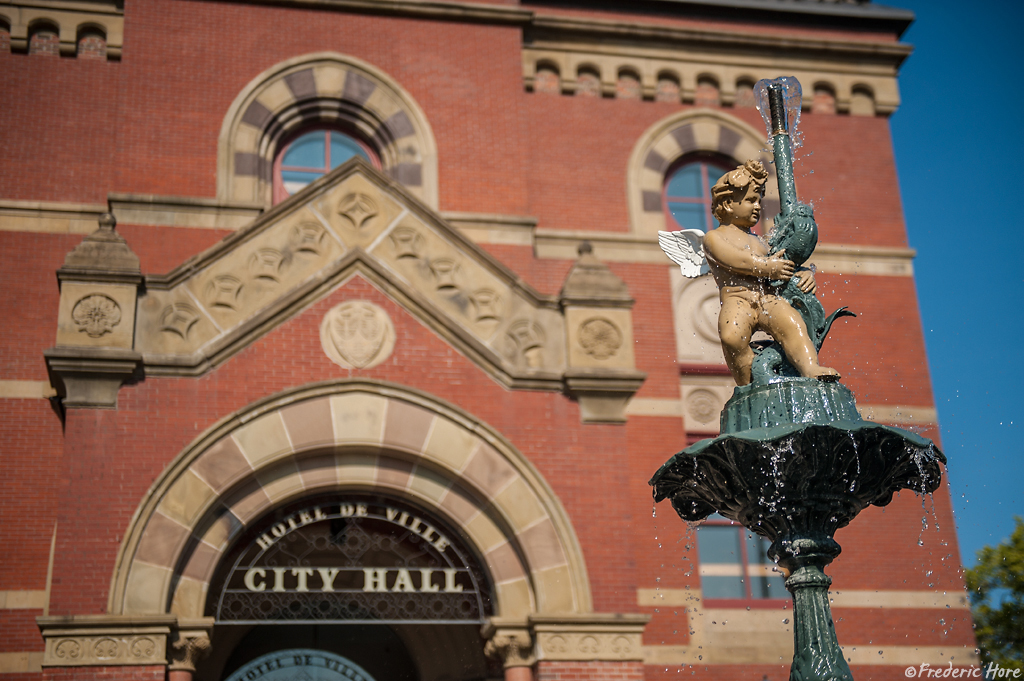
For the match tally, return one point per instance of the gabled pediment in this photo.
(355, 221)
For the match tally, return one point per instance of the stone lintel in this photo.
(91, 377)
(182, 211)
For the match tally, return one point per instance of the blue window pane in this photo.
(719, 545)
(689, 215)
(685, 182)
(757, 549)
(294, 180)
(307, 151)
(722, 587)
(343, 148)
(773, 586)
(714, 174)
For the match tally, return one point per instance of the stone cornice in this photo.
(546, 27)
(426, 9)
(542, 25)
(879, 15)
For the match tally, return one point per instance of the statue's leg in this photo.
(787, 327)
(736, 323)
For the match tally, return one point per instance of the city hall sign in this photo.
(357, 559)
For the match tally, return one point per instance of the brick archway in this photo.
(350, 435)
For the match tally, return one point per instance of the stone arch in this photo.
(324, 87)
(688, 132)
(356, 435)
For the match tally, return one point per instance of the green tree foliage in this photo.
(996, 589)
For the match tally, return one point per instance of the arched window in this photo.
(687, 195)
(733, 564)
(311, 155)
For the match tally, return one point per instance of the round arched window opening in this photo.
(313, 153)
(686, 198)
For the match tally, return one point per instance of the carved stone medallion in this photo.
(267, 263)
(524, 344)
(703, 405)
(444, 270)
(357, 335)
(308, 237)
(487, 305)
(407, 242)
(178, 318)
(223, 291)
(358, 209)
(96, 315)
(600, 338)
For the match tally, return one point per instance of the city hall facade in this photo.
(339, 344)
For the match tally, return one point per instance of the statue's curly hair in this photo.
(734, 183)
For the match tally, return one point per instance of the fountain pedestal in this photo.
(796, 484)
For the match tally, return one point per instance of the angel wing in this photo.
(686, 249)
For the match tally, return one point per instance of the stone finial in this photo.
(103, 252)
(590, 282)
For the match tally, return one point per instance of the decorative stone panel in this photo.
(597, 637)
(600, 337)
(357, 335)
(703, 398)
(96, 315)
(353, 220)
(105, 640)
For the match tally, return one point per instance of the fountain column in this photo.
(817, 655)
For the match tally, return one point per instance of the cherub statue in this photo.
(760, 290)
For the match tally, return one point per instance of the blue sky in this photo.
(960, 155)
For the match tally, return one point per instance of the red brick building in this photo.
(303, 416)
